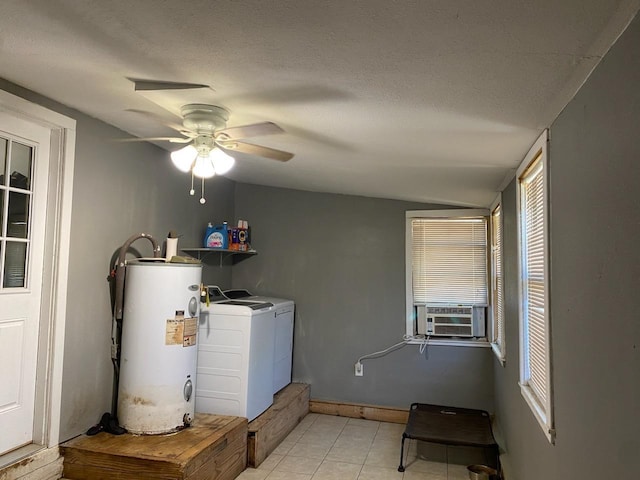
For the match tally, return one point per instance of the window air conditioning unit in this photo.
(440, 320)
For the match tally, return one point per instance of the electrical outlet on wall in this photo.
(359, 369)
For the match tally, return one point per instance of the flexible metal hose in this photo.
(120, 270)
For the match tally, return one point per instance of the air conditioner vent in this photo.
(449, 310)
(452, 330)
(450, 320)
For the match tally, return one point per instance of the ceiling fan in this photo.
(209, 141)
(204, 126)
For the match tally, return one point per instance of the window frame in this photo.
(499, 348)
(542, 411)
(409, 320)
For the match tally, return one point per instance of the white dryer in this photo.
(235, 356)
(283, 346)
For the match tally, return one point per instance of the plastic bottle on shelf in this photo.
(227, 230)
(245, 225)
(234, 245)
(207, 235)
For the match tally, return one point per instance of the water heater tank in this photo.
(159, 346)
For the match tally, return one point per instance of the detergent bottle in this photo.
(208, 242)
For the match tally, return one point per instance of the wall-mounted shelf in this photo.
(220, 253)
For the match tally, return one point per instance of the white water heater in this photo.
(159, 346)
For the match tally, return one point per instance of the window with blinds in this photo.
(497, 284)
(535, 371)
(449, 260)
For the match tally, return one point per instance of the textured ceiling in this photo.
(432, 101)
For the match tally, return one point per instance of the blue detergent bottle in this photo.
(207, 234)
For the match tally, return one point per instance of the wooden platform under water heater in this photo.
(213, 448)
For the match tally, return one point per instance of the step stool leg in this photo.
(401, 467)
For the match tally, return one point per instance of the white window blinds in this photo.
(497, 279)
(449, 260)
(532, 225)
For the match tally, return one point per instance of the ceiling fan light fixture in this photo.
(208, 141)
(183, 158)
(222, 162)
(203, 168)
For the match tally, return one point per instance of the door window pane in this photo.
(16, 163)
(2, 194)
(21, 165)
(18, 218)
(3, 159)
(15, 264)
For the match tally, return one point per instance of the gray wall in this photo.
(342, 259)
(595, 274)
(119, 189)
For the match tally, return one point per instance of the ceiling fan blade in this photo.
(245, 131)
(258, 150)
(155, 139)
(141, 84)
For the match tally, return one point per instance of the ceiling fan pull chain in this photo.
(202, 199)
(192, 192)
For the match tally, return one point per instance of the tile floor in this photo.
(324, 447)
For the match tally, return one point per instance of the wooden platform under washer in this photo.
(213, 448)
(290, 406)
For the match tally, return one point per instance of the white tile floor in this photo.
(324, 447)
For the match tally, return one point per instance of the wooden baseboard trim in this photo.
(44, 464)
(357, 410)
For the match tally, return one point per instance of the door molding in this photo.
(56, 263)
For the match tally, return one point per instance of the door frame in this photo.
(53, 308)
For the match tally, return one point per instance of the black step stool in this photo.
(451, 426)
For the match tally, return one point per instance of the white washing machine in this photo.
(283, 346)
(235, 356)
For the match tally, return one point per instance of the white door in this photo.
(24, 171)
